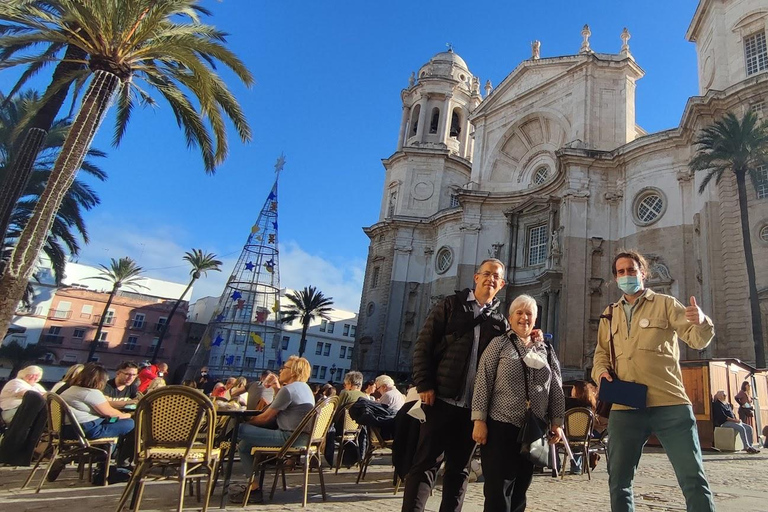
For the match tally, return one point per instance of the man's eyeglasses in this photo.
(486, 274)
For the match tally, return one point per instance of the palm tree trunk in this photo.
(37, 130)
(95, 342)
(168, 323)
(754, 300)
(95, 104)
(303, 342)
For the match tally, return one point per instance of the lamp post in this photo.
(333, 371)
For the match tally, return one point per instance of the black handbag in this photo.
(533, 436)
(603, 407)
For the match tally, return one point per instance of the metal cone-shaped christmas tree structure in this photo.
(244, 335)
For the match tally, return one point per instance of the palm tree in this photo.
(741, 147)
(160, 42)
(122, 272)
(19, 356)
(68, 225)
(306, 305)
(201, 264)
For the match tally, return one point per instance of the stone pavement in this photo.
(739, 481)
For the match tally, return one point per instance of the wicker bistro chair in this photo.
(577, 425)
(376, 446)
(316, 422)
(349, 435)
(68, 449)
(168, 422)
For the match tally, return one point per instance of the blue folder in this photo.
(624, 392)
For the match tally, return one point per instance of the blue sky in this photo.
(327, 94)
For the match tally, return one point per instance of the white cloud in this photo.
(159, 250)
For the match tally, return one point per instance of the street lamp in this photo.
(333, 371)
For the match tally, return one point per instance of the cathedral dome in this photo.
(446, 65)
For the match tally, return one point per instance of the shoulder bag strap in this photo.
(525, 371)
(612, 350)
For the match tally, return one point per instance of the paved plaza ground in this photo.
(740, 483)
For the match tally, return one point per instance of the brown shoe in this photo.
(593, 458)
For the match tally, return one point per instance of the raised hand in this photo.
(693, 313)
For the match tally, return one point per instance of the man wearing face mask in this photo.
(445, 357)
(645, 327)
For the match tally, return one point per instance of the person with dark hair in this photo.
(445, 357)
(369, 388)
(746, 404)
(123, 389)
(67, 380)
(644, 328)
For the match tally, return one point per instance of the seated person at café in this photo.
(91, 409)
(123, 389)
(390, 395)
(261, 392)
(723, 416)
(237, 392)
(150, 373)
(353, 381)
(275, 425)
(67, 380)
(14, 390)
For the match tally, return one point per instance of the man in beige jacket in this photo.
(645, 328)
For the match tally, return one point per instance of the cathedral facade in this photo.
(550, 173)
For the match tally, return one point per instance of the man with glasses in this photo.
(123, 389)
(445, 358)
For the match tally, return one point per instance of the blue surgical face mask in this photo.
(630, 284)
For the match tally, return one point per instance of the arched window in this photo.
(455, 123)
(435, 120)
(415, 119)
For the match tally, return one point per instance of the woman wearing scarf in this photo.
(499, 405)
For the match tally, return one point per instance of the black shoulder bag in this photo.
(533, 438)
(603, 407)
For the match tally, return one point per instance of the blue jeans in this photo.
(101, 428)
(251, 435)
(675, 428)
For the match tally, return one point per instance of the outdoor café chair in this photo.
(316, 422)
(376, 446)
(350, 431)
(70, 449)
(577, 425)
(168, 422)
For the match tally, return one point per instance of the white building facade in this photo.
(550, 173)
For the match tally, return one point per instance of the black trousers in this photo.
(446, 436)
(507, 474)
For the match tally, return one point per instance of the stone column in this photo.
(465, 127)
(544, 311)
(551, 305)
(403, 125)
(445, 123)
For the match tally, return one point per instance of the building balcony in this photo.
(109, 320)
(130, 347)
(159, 326)
(53, 339)
(59, 314)
(151, 350)
(29, 311)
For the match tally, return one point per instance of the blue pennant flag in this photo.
(229, 360)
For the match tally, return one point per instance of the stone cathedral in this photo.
(550, 173)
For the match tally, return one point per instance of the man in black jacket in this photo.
(445, 359)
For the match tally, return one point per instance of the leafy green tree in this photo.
(68, 225)
(122, 272)
(160, 43)
(305, 306)
(202, 263)
(738, 146)
(19, 356)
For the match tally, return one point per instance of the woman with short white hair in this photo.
(390, 395)
(13, 392)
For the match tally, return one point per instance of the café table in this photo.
(239, 416)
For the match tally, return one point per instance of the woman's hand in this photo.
(480, 432)
(555, 435)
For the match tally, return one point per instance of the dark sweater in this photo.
(721, 412)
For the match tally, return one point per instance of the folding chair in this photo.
(316, 422)
(577, 425)
(376, 445)
(168, 422)
(349, 435)
(79, 448)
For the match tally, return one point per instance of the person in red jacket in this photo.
(150, 373)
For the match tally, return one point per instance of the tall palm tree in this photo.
(68, 225)
(739, 146)
(201, 263)
(305, 306)
(160, 42)
(122, 272)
